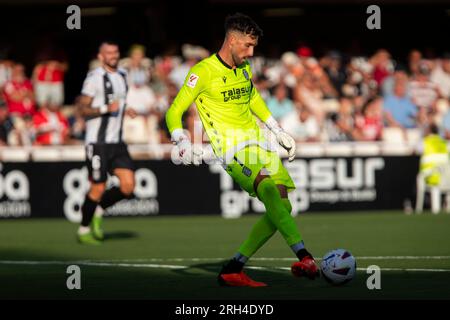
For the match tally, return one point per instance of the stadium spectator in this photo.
(369, 125)
(140, 95)
(446, 125)
(48, 80)
(18, 93)
(360, 85)
(354, 85)
(414, 59)
(341, 125)
(165, 64)
(333, 68)
(5, 72)
(288, 70)
(309, 94)
(6, 124)
(304, 52)
(424, 93)
(399, 111)
(332, 133)
(263, 85)
(280, 104)
(313, 67)
(382, 65)
(51, 126)
(148, 113)
(142, 98)
(387, 88)
(192, 55)
(137, 65)
(441, 76)
(301, 125)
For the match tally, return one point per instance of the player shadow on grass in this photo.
(120, 235)
(212, 267)
(215, 267)
(274, 277)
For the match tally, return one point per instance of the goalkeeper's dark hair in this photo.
(242, 23)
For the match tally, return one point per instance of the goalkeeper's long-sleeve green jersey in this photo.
(226, 101)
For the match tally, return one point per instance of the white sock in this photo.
(83, 230)
(99, 211)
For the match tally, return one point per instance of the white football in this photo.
(338, 266)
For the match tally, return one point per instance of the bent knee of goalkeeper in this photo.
(266, 187)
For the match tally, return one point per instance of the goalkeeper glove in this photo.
(188, 153)
(285, 140)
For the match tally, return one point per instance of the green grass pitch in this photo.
(179, 257)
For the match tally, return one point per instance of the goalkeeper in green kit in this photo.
(227, 103)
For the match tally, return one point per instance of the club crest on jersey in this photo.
(192, 81)
(247, 171)
(245, 74)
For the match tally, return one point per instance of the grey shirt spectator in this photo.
(279, 103)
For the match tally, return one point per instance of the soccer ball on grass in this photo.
(338, 267)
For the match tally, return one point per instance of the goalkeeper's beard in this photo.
(237, 60)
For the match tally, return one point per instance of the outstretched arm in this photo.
(180, 105)
(193, 86)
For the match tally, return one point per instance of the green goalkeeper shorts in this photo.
(253, 159)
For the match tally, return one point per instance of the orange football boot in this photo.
(305, 268)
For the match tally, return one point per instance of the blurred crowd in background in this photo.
(330, 98)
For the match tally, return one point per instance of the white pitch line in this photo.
(370, 258)
(359, 269)
(134, 265)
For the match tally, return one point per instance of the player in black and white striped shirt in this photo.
(103, 103)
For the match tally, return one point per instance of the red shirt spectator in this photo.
(371, 127)
(382, 65)
(18, 93)
(380, 73)
(49, 83)
(52, 128)
(370, 123)
(50, 72)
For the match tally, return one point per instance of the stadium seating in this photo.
(135, 130)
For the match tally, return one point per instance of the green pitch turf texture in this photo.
(179, 257)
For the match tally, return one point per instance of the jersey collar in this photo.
(223, 62)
